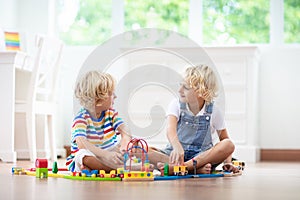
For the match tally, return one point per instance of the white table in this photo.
(9, 62)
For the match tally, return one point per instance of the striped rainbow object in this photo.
(12, 41)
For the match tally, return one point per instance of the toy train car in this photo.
(120, 174)
(112, 174)
(88, 173)
(240, 164)
(180, 170)
(95, 173)
(18, 171)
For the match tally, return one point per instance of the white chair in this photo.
(41, 93)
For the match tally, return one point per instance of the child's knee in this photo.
(229, 146)
(86, 160)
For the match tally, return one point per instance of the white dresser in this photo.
(238, 70)
(9, 62)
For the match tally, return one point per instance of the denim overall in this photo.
(193, 132)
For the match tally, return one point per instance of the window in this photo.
(235, 22)
(84, 22)
(165, 14)
(224, 22)
(291, 21)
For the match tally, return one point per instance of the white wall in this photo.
(27, 17)
(278, 92)
(7, 18)
(71, 62)
(279, 99)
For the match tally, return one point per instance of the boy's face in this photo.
(105, 104)
(187, 94)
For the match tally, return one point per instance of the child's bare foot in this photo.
(206, 169)
(231, 168)
(236, 170)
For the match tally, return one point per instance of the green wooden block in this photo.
(166, 169)
(54, 168)
(41, 172)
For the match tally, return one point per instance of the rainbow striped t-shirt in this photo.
(101, 132)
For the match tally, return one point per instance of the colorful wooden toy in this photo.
(41, 166)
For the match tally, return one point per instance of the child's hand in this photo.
(114, 159)
(177, 156)
(123, 144)
(123, 149)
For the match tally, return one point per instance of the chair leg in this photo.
(52, 138)
(31, 135)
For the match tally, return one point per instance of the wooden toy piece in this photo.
(146, 167)
(30, 173)
(166, 169)
(18, 171)
(164, 178)
(93, 175)
(120, 172)
(195, 165)
(41, 163)
(138, 176)
(77, 176)
(180, 170)
(91, 178)
(133, 146)
(240, 164)
(88, 173)
(41, 173)
(49, 169)
(54, 168)
(206, 175)
(56, 175)
(112, 174)
(41, 166)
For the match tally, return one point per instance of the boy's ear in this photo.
(98, 103)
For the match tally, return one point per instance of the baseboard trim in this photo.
(291, 155)
(247, 153)
(23, 154)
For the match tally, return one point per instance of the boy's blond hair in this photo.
(203, 80)
(94, 86)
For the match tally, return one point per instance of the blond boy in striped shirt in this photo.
(99, 136)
